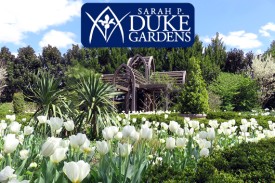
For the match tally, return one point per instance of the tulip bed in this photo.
(124, 154)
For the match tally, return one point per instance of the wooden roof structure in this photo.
(138, 75)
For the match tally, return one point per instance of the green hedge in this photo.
(247, 162)
(224, 116)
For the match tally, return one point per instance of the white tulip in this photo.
(204, 152)
(118, 136)
(109, 132)
(165, 116)
(11, 117)
(243, 128)
(77, 140)
(65, 143)
(69, 125)
(203, 134)
(76, 171)
(164, 125)
(6, 174)
(15, 127)
(180, 132)
(146, 133)
(211, 133)
(58, 155)
(21, 138)
(181, 142)
(102, 147)
(134, 120)
(50, 146)
(127, 130)
(24, 154)
(55, 123)
(134, 136)
(213, 123)
(42, 119)
(170, 143)
(86, 146)
(173, 126)
(124, 149)
(143, 119)
(33, 165)
(194, 124)
(10, 143)
(3, 125)
(28, 130)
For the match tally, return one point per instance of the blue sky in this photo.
(245, 24)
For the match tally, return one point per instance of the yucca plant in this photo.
(96, 104)
(47, 94)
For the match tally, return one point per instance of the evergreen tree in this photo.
(25, 65)
(6, 60)
(53, 62)
(194, 96)
(214, 59)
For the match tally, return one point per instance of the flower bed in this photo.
(124, 154)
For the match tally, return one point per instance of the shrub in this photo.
(247, 162)
(194, 97)
(214, 101)
(18, 103)
(237, 92)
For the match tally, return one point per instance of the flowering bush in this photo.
(123, 155)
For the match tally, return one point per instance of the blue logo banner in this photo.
(137, 25)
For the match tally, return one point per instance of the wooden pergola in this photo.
(138, 76)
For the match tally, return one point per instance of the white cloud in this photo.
(20, 17)
(58, 39)
(206, 39)
(241, 40)
(265, 30)
(258, 51)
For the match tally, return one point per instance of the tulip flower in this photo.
(10, 143)
(58, 155)
(24, 154)
(77, 140)
(76, 171)
(146, 133)
(15, 127)
(164, 125)
(50, 146)
(127, 130)
(86, 147)
(181, 142)
(6, 174)
(42, 119)
(124, 149)
(55, 123)
(118, 136)
(11, 117)
(204, 152)
(211, 134)
(170, 143)
(102, 147)
(69, 125)
(173, 126)
(28, 130)
(109, 132)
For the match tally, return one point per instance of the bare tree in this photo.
(3, 74)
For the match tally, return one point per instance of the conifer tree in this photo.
(194, 96)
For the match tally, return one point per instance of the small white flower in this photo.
(24, 154)
(69, 125)
(28, 130)
(42, 119)
(170, 143)
(204, 152)
(102, 147)
(15, 127)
